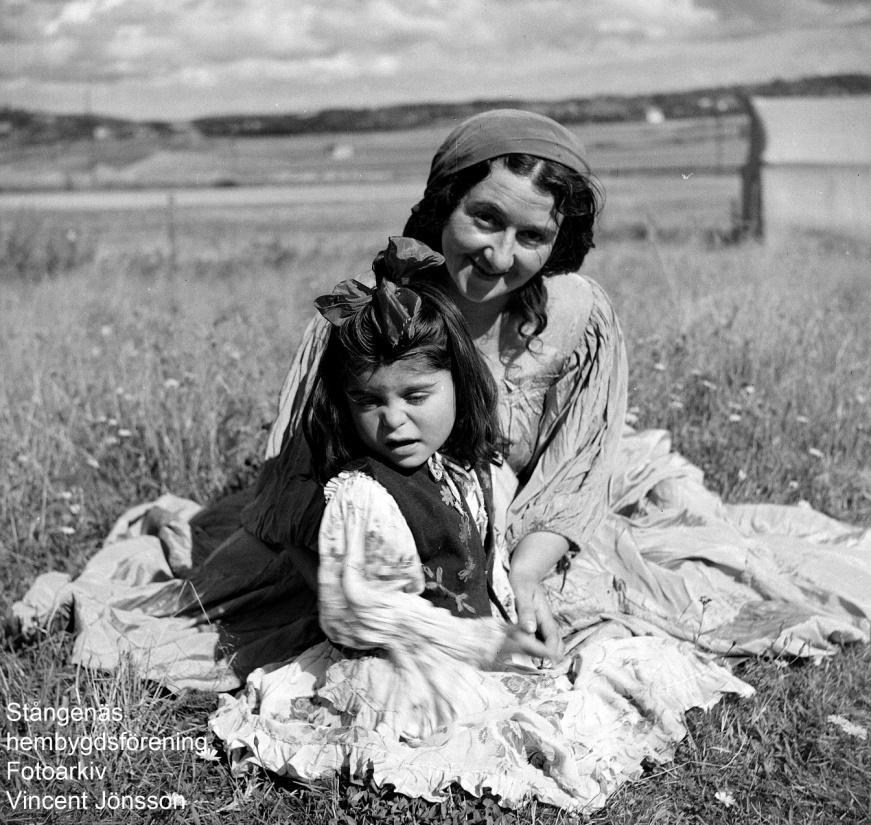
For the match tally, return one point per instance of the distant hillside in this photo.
(24, 127)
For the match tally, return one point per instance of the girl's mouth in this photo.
(399, 443)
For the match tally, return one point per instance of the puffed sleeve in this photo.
(298, 383)
(370, 579)
(564, 489)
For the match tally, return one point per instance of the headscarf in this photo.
(506, 131)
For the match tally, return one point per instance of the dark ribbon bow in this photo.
(397, 305)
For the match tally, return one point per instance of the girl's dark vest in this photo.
(457, 564)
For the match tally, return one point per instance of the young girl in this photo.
(402, 423)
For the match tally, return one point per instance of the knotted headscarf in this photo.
(503, 132)
(396, 304)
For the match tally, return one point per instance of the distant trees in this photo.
(38, 127)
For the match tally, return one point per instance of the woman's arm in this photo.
(564, 495)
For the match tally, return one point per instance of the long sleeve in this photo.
(573, 428)
(297, 384)
(370, 579)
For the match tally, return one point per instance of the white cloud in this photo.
(348, 52)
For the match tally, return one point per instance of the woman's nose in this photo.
(500, 253)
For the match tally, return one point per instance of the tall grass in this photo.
(124, 377)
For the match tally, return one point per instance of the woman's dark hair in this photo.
(436, 338)
(577, 198)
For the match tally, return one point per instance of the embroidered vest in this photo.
(455, 560)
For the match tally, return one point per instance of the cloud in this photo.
(220, 54)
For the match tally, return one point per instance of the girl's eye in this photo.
(416, 397)
(362, 402)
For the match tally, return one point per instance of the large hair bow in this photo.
(396, 304)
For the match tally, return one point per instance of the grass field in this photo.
(150, 358)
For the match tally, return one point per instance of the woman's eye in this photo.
(487, 219)
(531, 238)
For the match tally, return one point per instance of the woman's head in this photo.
(400, 396)
(539, 165)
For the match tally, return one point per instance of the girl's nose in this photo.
(392, 416)
(500, 253)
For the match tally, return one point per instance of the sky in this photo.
(179, 59)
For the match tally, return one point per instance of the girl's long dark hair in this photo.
(437, 339)
(577, 198)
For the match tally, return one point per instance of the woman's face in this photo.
(499, 236)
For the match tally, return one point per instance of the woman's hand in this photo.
(534, 616)
(533, 559)
(519, 641)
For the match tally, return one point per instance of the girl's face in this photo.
(403, 412)
(499, 236)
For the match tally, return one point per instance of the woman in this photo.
(511, 205)
(618, 550)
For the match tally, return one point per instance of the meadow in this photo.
(141, 352)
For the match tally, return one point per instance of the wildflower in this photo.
(92, 462)
(742, 476)
(659, 366)
(171, 384)
(177, 800)
(709, 385)
(850, 728)
(66, 530)
(725, 798)
(792, 484)
(734, 418)
(815, 452)
(74, 509)
(631, 418)
(675, 404)
(124, 433)
(749, 389)
(105, 330)
(112, 422)
(110, 441)
(802, 419)
(66, 495)
(208, 753)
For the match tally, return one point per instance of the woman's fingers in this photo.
(525, 604)
(518, 641)
(548, 628)
(534, 616)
